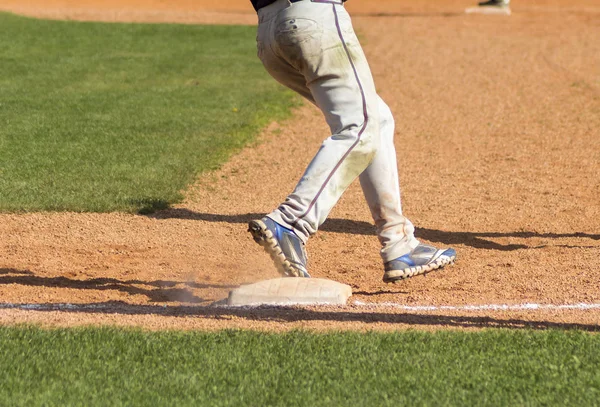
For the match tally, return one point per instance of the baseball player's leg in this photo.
(381, 188)
(403, 255)
(312, 49)
(317, 40)
(379, 181)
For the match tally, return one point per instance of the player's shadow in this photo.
(4, 271)
(292, 314)
(473, 239)
(159, 291)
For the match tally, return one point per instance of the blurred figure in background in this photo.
(495, 3)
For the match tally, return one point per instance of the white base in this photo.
(489, 10)
(291, 291)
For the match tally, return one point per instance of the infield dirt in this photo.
(498, 147)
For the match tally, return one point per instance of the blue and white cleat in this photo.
(422, 259)
(283, 245)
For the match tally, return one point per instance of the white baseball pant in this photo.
(310, 46)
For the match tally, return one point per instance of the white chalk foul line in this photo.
(408, 308)
(483, 307)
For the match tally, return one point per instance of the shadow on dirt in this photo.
(376, 292)
(409, 14)
(14, 271)
(163, 291)
(291, 314)
(473, 239)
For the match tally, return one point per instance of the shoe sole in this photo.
(264, 237)
(400, 275)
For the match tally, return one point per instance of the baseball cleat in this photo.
(422, 259)
(283, 245)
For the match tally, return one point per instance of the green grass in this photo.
(237, 368)
(106, 117)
